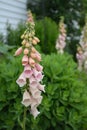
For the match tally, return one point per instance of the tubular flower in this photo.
(32, 75)
(60, 42)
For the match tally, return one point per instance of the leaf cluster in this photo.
(64, 104)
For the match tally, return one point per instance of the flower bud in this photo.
(26, 51)
(27, 44)
(33, 55)
(25, 60)
(18, 51)
(31, 62)
(36, 39)
(23, 42)
(34, 42)
(33, 49)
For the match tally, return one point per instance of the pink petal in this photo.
(39, 100)
(27, 71)
(31, 62)
(35, 92)
(25, 60)
(33, 103)
(39, 67)
(21, 81)
(26, 99)
(34, 84)
(35, 112)
(27, 67)
(39, 77)
(41, 87)
(32, 79)
(38, 57)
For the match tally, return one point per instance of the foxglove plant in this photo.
(32, 75)
(82, 52)
(79, 56)
(60, 42)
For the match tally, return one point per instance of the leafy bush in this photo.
(64, 104)
(47, 31)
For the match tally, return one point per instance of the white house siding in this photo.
(11, 11)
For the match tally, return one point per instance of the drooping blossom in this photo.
(26, 99)
(21, 81)
(60, 42)
(32, 74)
(34, 112)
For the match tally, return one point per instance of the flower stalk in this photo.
(81, 54)
(31, 77)
(60, 42)
(24, 119)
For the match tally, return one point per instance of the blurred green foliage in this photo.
(47, 31)
(66, 91)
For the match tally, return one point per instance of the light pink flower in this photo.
(25, 60)
(33, 84)
(34, 90)
(35, 112)
(31, 62)
(39, 99)
(38, 56)
(34, 102)
(21, 81)
(26, 99)
(39, 67)
(32, 79)
(18, 51)
(38, 75)
(35, 72)
(41, 87)
(37, 94)
(27, 71)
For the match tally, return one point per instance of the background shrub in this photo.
(64, 104)
(47, 31)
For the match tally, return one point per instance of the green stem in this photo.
(24, 119)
